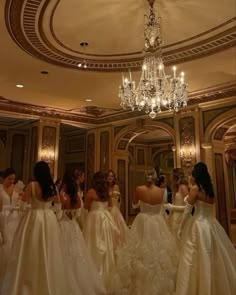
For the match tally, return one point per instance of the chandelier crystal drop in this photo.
(155, 90)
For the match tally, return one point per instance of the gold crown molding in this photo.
(24, 20)
(92, 115)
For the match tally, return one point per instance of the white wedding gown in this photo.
(207, 263)
(37, 265)
(102, 238)
(82, 270)
(12, 217)
(176, 215)
(147, 263)
(119, 220)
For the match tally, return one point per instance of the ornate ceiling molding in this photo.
(92, 115)
(26, 25)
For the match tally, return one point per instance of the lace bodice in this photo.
(37, 204)
(150, 209)
(97, 205)
(204, 210)
(179, 199)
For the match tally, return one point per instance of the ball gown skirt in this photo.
(12, 217)
(119, 220)
(147, 263)
(208, 259)
(102, 238)
(80, 265)
(37, 265)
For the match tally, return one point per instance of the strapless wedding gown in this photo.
(208, 259)
(80, 266)
(102, 238)
(12, 216)
(176, 216)
(37, 265)
(147, 262)
(119, 220)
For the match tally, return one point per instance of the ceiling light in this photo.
(84, 62)
(155, 89)
(19, 85)
(88, 100)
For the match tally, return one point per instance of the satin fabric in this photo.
(147, 263)
(208, 259)
(119, 220)
(80, 266)
(176, 216)
(11, 221)
(37, 265)
(102, 238)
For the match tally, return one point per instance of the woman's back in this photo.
(150, 194)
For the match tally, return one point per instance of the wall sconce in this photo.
(47, 154)
(187, 154)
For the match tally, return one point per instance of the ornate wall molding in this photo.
(93, 116)
(26, 25)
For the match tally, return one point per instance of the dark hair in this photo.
(99, 184)
(202, 178)
(71, 187)
(2, 174)
(8, 172)
(77, 173)
(43, 177)
(114, 176)
(160, 179)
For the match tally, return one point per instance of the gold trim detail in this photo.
(24, 21)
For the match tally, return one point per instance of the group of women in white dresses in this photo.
(63, 248)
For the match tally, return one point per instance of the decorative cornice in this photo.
(93, 115)
(24, 20)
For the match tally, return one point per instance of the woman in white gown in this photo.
(10, 199)
(37, 265)
(180, 191)
(114, 193)
(100, 231)
(208, 259)
(147, 263)
(82, 269)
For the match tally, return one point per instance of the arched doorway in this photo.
(138, 148)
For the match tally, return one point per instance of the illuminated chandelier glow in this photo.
(155, 90)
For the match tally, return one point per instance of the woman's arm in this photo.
(136, 199)
(193, 195)
(183, 189)
(88, 198)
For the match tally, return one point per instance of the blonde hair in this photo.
(150, 175)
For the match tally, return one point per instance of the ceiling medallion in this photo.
(156, 89)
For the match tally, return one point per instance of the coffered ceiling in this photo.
(42, 35)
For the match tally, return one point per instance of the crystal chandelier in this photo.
(155, 90)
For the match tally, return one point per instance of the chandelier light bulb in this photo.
(79, 65)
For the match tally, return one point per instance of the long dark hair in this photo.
(99, 184)
(160, 180)
(202, 178)
(70, 186)
(43, 176)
